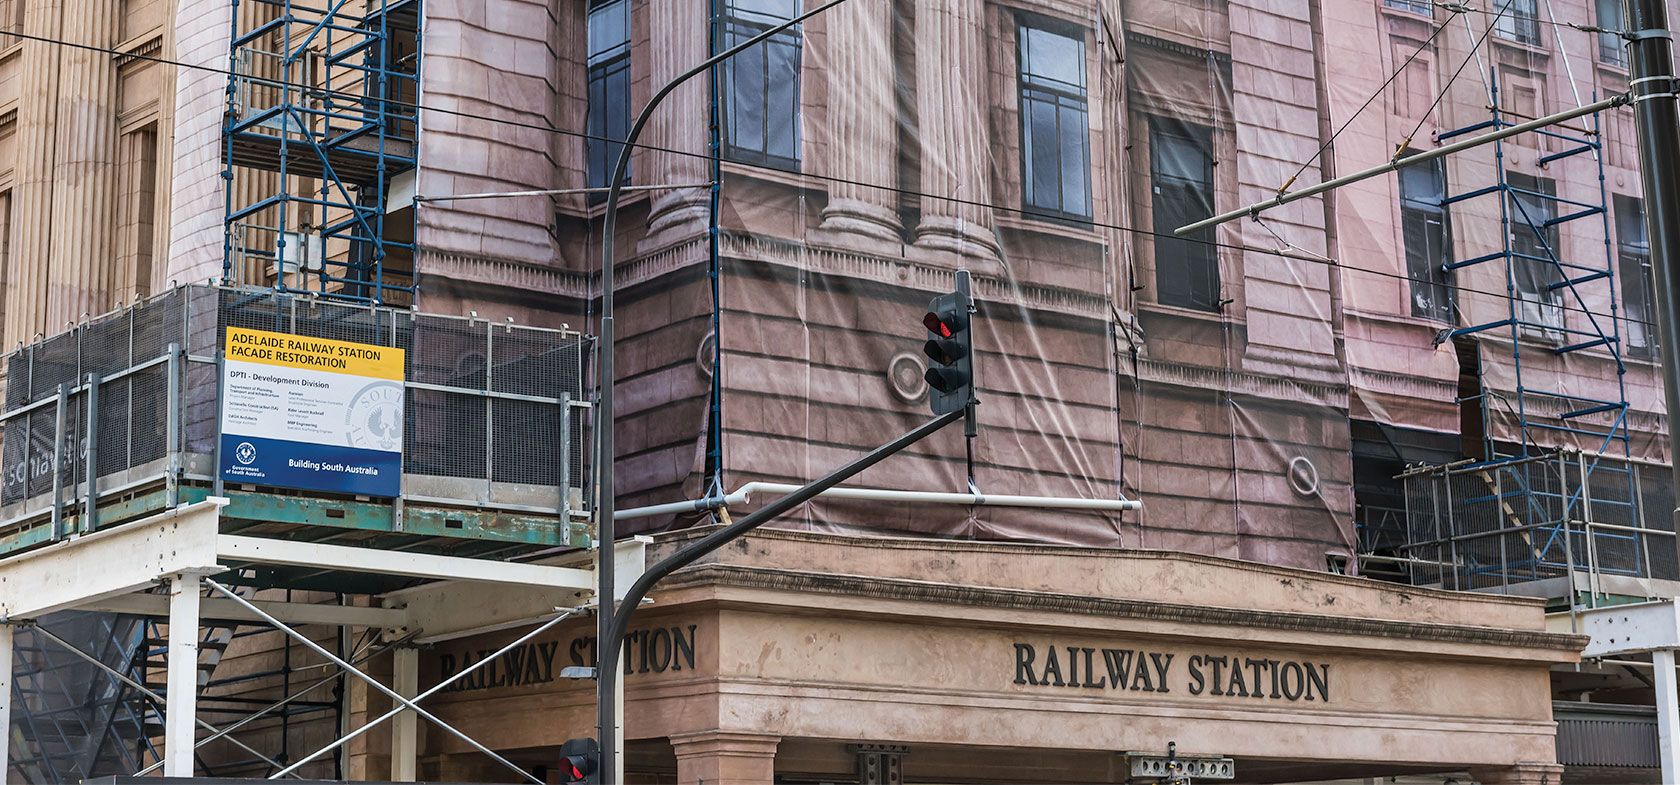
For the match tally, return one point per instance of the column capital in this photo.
(721, 757)
(1523, 773)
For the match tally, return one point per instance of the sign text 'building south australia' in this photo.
(1230, 675)
(311, 413)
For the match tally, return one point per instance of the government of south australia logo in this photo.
(375, 420)
(245, 453)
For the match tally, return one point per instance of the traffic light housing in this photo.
(580, 761)
(950, 350)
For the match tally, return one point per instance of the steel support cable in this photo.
(148, 692)
(371, 681)
(1371, 99)
(367, 654)
(451, 679)
(1475, 54)
(810, 175)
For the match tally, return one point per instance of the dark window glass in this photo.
(1611, 49)
(1181, 183)
(609, 89)
(1531, 206)
(761, 84)
(1633, 256)
(1520, 22)
(1428, 237)
(1055, 143)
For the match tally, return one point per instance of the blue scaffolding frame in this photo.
(1526, 494)
(323, 100)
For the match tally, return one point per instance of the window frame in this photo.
(1202, 138)
(1519, 24)
(1527, 270)
(1443, 300)
(1423, 8)
(1062, 97)
(601, 67)
(737, 25)
(1612, 50)
(1637, 255)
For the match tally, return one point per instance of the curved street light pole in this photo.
(607, 673)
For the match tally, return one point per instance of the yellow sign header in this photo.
(319, 354)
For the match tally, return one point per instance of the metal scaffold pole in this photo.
(1651, 59)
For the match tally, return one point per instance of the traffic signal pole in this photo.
(1651, 60)
(607, 697)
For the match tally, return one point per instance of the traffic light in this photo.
(580, 761)
(950, 350)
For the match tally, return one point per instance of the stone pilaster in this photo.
(725, 758)
(951, 123)
(1525, 773)
(37, 130)
(862, 125)
(677, 42)
(84, 204)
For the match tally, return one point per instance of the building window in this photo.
(1612, 50)
(1181, 180)
(761, 84)
(1427, 235)
(1421, 7)
(1055, 138)
(1520, 22)
(1531, 206)
(609, 89)
(1633, 263)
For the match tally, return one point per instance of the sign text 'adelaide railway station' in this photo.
(1137, 670)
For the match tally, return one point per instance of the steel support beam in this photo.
(405, 727)
(218, 610)
(105, 564)
(1668, 713)
(261, 550)
(180, 714)
(6, 632)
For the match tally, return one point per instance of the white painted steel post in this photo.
(405, 679)
(6, 702)
(180, 714)
(1668, 714)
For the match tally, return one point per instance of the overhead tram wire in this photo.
(1280, 253)
(1475, 51)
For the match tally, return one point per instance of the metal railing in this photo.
(128, 402)
(1597, 522)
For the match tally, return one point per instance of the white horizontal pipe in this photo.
(1445, 150)
(745, 492)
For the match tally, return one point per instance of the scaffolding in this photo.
(1558, 492)
(319, 147)
(114, 426)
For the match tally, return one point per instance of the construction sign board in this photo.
(311, 413)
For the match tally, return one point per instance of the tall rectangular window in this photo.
(1181, 182)
(1055, 138)
(1427, 234)
(761, 84)
(1531, 206)
(1520, 22)
(609, 89)
(1633, 264)
(1423, 7)
(1612, 50)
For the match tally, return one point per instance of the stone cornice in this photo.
(1202, 377)
(1403, 385)
(909, 273)
(492, 271)
(1017, 599)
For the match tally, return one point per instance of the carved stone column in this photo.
(719, 757)
(26, 280)
(1525, 773)
(84, 198)
(862, 120)
(951, 123)
(677, 43)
